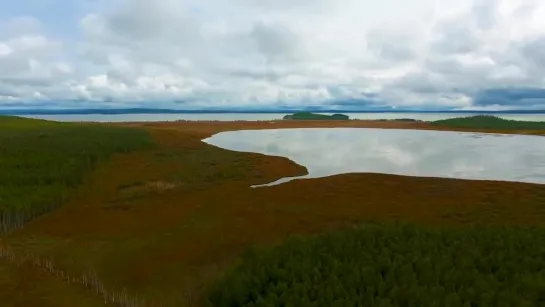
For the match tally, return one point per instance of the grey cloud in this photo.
(137, 21)
(510, 97)
(23, 25)
(237, 52)
(426, 89)
(275, 42)
(28, 81)
(460, 33)
(454, 37)
(534, 52)
(30, 69)
(253, 73)
(455, 68)
(152, 20)
(391, 45)
(142, 27)
(283, 5)
(10, 91)
(11, 65)
(485, 13)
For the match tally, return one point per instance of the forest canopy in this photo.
(392, 265)
(315, 116)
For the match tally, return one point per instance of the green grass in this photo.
(14, 122)
(489, 122)
(392, 265)
(41, 162)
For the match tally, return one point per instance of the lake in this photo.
(259, 116)
(331, 151)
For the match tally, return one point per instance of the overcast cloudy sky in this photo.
(460, 54)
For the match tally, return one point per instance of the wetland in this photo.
(147, 214)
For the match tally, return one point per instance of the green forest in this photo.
(488, 122)
(392, 265)
(315, 116)
(42, 162)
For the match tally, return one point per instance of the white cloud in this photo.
(242, 52)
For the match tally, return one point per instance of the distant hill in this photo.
(314, 116)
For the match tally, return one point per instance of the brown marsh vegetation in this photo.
(162, 223)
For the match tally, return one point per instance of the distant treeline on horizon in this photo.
(235, 111)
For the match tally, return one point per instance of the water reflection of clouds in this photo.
(326, 152)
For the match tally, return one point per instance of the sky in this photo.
(343, 54)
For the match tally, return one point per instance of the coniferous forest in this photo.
(392, 265)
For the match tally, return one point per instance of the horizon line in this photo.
(120, 111)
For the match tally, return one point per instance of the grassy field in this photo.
(42, 162)
(392, 265)
(163, 222)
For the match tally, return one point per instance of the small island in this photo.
(314, 116)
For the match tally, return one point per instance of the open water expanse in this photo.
(331, 151)
(259, 116)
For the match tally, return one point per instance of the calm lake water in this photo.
(259, 116)
(326, 152)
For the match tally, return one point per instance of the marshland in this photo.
(147, 214)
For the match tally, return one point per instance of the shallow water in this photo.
(331, 151)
